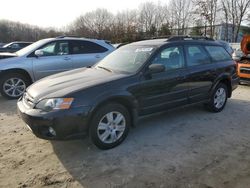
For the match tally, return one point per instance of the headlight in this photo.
(55, 104)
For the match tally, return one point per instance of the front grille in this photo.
(245, 70)
(28, 100)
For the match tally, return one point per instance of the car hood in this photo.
(63, 84)
(7, 55)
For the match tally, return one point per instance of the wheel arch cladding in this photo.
(18, 71)
(126, 101)
(227, 82)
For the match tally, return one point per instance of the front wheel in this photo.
(13, 85)
(110, 126)
(218, 99)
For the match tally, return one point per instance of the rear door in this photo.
(86, 53)
(55, 59)
(201, 72)
(223, 60)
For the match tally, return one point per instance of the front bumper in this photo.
(67, 124)
(244, 71)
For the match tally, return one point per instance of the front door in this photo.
(55, 59)
(168, 89)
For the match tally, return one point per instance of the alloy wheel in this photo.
(14, 87)
(219, 98)
(111, 127)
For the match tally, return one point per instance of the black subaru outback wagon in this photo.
(137, 79)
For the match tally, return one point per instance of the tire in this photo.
(105, 133)
(218, 99)
(9, 80)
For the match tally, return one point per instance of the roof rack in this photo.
(187, 37)
(64, 36)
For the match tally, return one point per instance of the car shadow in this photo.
(155, 149)
(7, 107)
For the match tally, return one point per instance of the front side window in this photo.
(171, 58)
(56, 48)
(86, 47)
(196, 55)
(49, 49)
(218, 53)
(127, 59)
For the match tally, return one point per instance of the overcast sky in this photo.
(58, 13)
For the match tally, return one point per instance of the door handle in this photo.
(66, 58)
(97, 56)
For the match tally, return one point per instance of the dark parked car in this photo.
(136, 80)
(14, 46)
(227, 46)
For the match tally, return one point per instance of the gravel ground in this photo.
(188, 147)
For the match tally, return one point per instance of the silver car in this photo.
(46, 57)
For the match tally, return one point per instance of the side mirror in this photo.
(156, 68)
(39, 53)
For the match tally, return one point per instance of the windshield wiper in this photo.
(104, 68)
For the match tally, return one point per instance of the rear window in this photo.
(86, 47)
(218, 53)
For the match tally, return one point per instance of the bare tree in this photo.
(161, 16)
(147, 13)
(226, 11)
(234, 12)
(208, 10)
(126, 25)
(95, 24)
(180, 14)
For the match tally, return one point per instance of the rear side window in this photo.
(218, 53)
(22, 45)
(196, 55)
(86, 47)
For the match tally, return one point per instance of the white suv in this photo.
(46, 57)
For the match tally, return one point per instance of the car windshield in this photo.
(127, 59)
(31, 47)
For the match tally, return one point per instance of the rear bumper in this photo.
(68, 124)
(235, 82)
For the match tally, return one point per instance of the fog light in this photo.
(52, 131)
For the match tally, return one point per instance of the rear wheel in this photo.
(110, 126)
(218, 99)
(13, 85)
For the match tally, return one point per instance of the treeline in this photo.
(156, 19)
(15, 31)
(148, 20)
